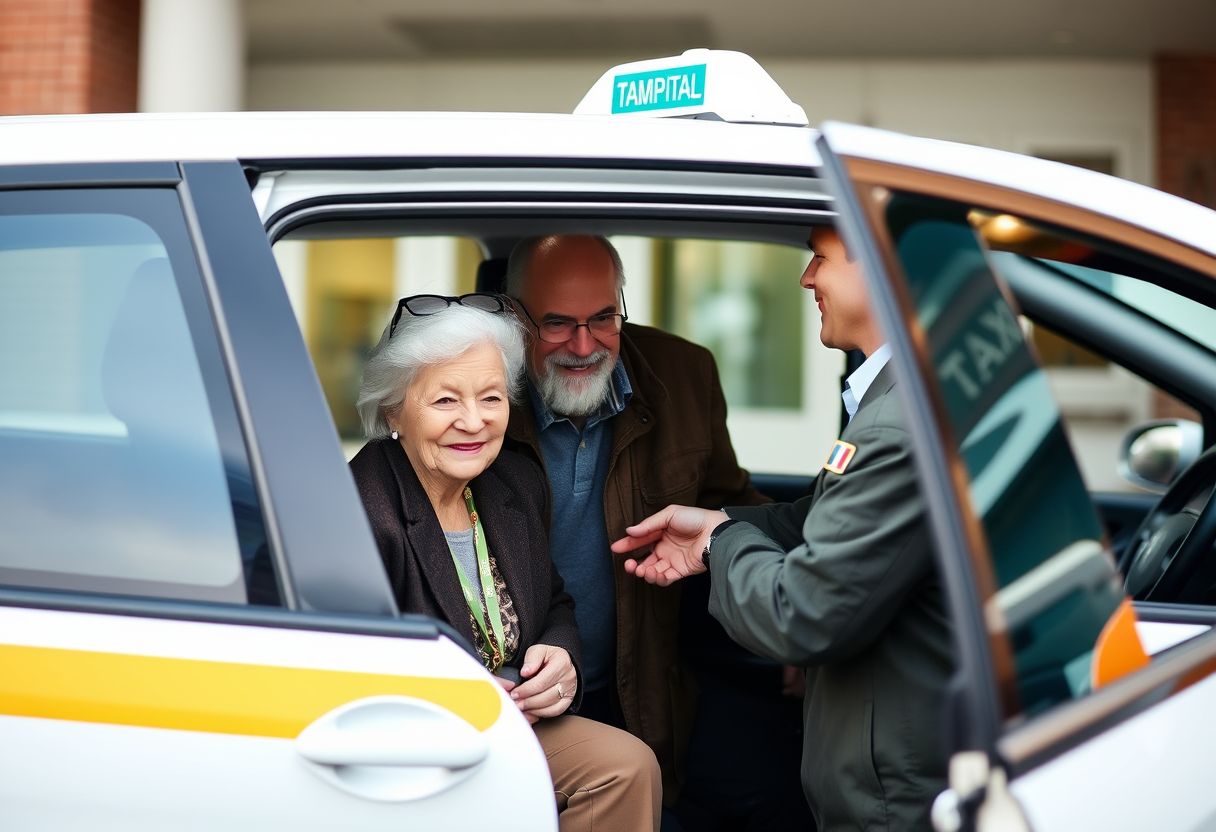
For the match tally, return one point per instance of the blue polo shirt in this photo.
(577, 464)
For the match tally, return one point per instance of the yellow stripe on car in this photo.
(210, 696)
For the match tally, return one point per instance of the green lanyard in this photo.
(494, 643)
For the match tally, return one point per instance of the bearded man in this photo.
(625, 420)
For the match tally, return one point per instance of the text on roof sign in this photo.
(659, 89)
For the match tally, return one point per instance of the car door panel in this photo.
(948, 361)
(1140, 748)
(1129, 761)
(196, 630)
(310, 496)
(195, 724)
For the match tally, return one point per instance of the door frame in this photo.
(984, 675)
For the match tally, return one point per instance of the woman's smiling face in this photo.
(453, 417)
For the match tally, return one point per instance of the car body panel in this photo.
(1146, 773)
(276, 191)
(193, 724)
(1160, 786)
(356, 136)
(1165, 215)
(280, 403)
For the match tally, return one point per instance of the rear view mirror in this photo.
(1155, 453)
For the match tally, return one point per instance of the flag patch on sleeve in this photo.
(840, 457)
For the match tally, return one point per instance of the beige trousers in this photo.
(604, 779)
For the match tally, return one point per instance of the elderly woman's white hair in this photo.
(426, 340)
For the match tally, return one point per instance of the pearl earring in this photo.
(395, 435)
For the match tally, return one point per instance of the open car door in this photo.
(1058, 720)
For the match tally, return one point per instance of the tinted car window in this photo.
(1048, 583)
(124, 470)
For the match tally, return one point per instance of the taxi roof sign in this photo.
(701, 83)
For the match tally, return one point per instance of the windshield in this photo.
(1119, 276)
(1176, 311)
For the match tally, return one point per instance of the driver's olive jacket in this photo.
(843, 583)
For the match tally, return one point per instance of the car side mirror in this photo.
(1156, 452)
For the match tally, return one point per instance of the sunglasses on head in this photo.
(420, 305)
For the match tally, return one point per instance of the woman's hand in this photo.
(549, 682)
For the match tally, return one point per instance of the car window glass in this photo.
(1190, 317)
(117, 475)
(1048, 586)
(1100, 401)
(344, 291)
(739, 298)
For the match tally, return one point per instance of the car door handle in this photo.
(392, 748)
(404, 745)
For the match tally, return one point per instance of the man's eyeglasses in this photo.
(557, 330)
(430, 304)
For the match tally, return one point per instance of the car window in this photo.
(741, 300)
(1100, 401)
(1188, 316)
(344, 291)
(123, 467)
(737, 297)
(1046, 581)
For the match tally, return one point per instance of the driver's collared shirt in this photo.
(859, 381)
(577, 465)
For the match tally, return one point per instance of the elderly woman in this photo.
(461, 525)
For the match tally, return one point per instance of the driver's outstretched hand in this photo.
(679, 535)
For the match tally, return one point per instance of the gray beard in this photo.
(580, 396)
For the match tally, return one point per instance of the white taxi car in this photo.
(195, 627)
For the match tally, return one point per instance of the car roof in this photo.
(270, 139)
(313, 136)
(1139, 205)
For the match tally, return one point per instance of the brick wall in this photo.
(68, 56)
(1185, 88)
(1186, 126)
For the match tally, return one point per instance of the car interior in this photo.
(1037, 276)
(1066, 288)
(495, 237)
(1043, 290)
(742, 695)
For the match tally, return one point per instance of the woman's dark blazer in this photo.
(512, 499)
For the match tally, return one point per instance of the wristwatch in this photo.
(714, 535)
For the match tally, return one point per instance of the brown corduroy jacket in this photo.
(669, 445)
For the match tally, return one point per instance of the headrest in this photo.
(149, 371)
(492, 275)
